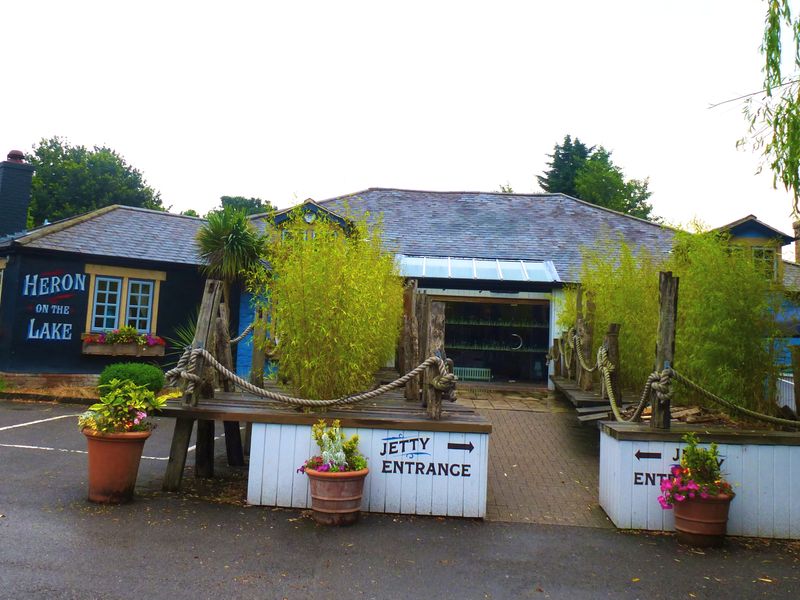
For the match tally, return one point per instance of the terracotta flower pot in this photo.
(336, 497)
(114, 464)
(702, 521)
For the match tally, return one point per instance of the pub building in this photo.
(498, 261)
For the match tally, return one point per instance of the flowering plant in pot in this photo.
(336, 475)
(698, 493)
(116, 429)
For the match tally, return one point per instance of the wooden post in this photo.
(796, 376)
(435, 345)
(665, 344)
(556, 354)
(422, 310)
(233, 435)
(410, 343)
(577, 370)
(587, 340)
(259, 339)
(204, 451)
(203, 336)
(612, 346)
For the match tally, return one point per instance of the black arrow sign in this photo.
(640, 455)
(469, 447)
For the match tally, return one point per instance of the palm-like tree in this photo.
(229, 244)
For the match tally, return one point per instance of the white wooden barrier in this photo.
(763, 467)
(786, 393)
(411, 472)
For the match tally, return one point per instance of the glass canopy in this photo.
(447, 267)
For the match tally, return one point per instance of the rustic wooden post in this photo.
(259, 339)
(587, 340)
(435, 346)
(665, 344)
(422, 310)
(611, 343)
(233, 435)
(204, 333)
(796, 377)
(556, 354)
(410, 343)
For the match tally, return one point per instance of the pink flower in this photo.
(666, 485)
(704, 495)
(664, 504)
(676, 470)
(679, 497)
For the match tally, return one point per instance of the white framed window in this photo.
(140, 304)
(105, 304)
(121, 296)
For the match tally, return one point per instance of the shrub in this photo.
(336, 302)
(150, 376)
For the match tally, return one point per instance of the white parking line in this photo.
(39, 421)
(48, 449)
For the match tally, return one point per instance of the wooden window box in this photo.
(129, 349)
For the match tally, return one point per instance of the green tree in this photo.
(589, 173)
(70, 180)
(565, 162)
(190, 213)
(601, 182)
(774, 113)
(250, 206)
(229, 245)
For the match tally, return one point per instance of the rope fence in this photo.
(186, 367)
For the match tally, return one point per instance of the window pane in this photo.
(140, 304)
(106, 303)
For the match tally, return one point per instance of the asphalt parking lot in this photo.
(205, 543)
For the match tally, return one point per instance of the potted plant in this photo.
(116, 428)
(699, 495)
(336, 475)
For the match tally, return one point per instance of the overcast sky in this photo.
(292, 100)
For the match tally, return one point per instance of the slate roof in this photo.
(534, 227)
(791, 276)
(120, 231)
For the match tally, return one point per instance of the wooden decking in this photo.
(590, 406)
(389, 411)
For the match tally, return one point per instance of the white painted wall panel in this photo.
(766, 479)
(411, 472)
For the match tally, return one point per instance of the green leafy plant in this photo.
(336, 302)
(141, 374)
(123, 406)
(698, 475)
(726, 314)
(124, 335)
(338, 453)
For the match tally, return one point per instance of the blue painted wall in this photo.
(244, 349)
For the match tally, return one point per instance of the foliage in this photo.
(70, 180)
(336, 302)
(567, 159)
(229, 244)
(590, 174)
(697, 475)
(126, 334)
(774, 114)
(338, 453)
(183, 335)
(123, 406)
(623, 283)
(506, 188)
(3, 385)
(148, 376)
(249, 206)
(190, 213)
(726, 315)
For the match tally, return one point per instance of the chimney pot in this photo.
(16, 156)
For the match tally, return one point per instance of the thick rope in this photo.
(579, 350)
(727, 403)
(606, 368)
(445, 381)
(248, 330)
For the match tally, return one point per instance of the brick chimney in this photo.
(15, 193)
(796, 227)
